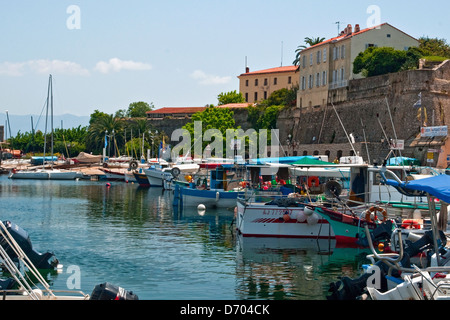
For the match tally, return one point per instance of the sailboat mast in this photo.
(46, 121)
(51, 116)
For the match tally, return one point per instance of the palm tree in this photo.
(311, 42)
(104, 125)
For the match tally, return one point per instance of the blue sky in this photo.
(169, 53)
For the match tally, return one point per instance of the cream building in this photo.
(259, 85)
(329, 65)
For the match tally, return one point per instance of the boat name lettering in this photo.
(276, 211)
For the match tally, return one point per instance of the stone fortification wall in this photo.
(366, 107)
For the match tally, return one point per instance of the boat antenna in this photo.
(393, 129)
(281, 53)
(365, 140)
(349, 140)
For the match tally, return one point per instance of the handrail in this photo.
(392, 263)
(22, 257)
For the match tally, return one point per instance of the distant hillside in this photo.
(23, 123)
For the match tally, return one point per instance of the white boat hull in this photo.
(156, 177)
(260, 220)
(45, 175)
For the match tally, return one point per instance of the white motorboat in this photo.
(395, 276)
(21, 269)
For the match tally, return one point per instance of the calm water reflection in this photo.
(131, 237)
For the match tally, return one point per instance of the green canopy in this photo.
(312, 161)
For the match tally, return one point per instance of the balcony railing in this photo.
(338, 84)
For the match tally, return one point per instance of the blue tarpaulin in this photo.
(283, 160)
(437, 186)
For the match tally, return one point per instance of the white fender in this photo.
(313, 219)
(308, 211)
(301, 217)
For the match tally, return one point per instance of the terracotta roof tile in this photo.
(235, 105)
(168, 110)
(346, 36)
(272, 70)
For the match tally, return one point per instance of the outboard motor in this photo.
(351, 289)
(7, 284)
(107, 291)
(382, 232)
(40, 260)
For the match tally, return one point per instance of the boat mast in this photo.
(51, 118)
(46, 120)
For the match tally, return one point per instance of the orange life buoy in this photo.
(315, 180)
(410, 224)
(375, 210)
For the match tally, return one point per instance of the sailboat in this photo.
(45, 173)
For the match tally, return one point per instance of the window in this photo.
(319, 56)
(311, 59)
(265, 82)
(275, 81)
(325, 55)
(318, 80)
(311, 81)
(246, 83)
(303, 83)
(265, 95)
(343, 52)
(246, 97)
(289, 79)
(304, 61)
(256, 96)
(256, 82)
(324, 78)
(336, 53)
(388, 35)
(342, 74)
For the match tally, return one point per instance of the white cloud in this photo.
(116, 65)
(208, 79)
(42, 66)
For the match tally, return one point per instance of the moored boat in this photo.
(280, 218)
(21, 262)
(142, 179)
(394, 276)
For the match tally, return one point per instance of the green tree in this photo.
(212, 118)
(434, 47)
(377, 61)
(310, 42)
(230, 97)
(103, 125)
(139, 109)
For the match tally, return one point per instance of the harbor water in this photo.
(133, 238)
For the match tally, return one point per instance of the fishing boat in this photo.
(280, 218)
(163, 173)
(142, 179)
(220, 189)
(276, 206)
(393, 276)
